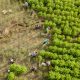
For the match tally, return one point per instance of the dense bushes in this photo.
(11, 76)
(16, 70)
(63, 16)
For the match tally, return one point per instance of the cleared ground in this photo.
(17, 37)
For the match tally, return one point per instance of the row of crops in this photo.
(63, 17)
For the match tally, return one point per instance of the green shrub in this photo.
(11, 76)
(18, 69)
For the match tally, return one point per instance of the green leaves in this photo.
(17, 69)
(11, 76)
(63, 16)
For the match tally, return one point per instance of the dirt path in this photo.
(17, 37)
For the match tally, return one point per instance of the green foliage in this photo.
(11, 76)
(18, 69)
(63, 16)
(54, 76)
(40, 58)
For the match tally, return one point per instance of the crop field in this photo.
(58, 50)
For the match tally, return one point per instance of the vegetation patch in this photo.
(63, 18)
(55, 58)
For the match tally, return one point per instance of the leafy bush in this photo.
(18, 69)
(11, 76)
(63, 16)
